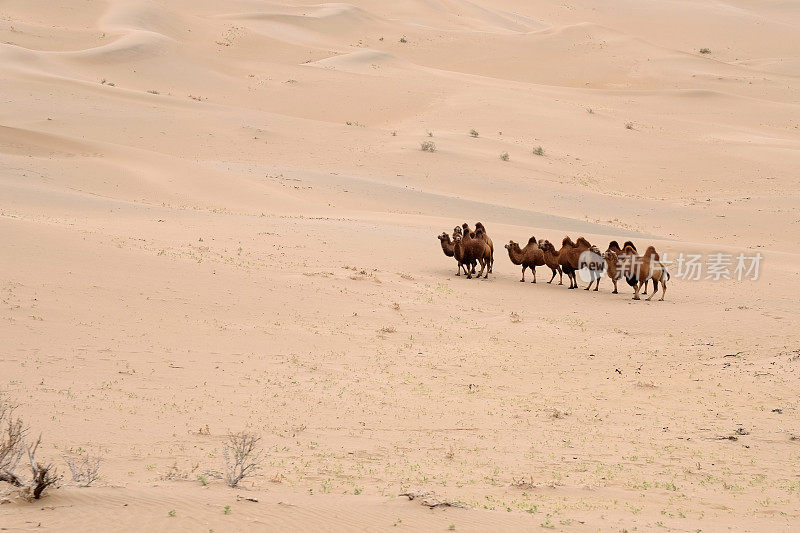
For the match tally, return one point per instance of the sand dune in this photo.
(217, 217)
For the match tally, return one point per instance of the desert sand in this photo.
(216, 217)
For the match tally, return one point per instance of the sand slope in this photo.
(218, 215)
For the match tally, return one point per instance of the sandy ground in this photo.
(216, 215)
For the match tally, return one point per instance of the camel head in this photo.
(595, 250)
(444, 237)
(510, 245)
(457, 230)
(546, 245)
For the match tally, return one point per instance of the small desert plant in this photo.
(705, 51)
(403, 39)
(474, 133)
(427, 146)
(504, 156)
(538, 151)
(394, 133)
(153, 91)
(242, 456)
(629, 125)
(84, 467)
(590, 110)
(430, 134)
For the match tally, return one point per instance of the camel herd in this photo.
(472, 247)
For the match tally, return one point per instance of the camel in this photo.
(447, 244)
(448, 247)
(529, 257)
(596, 262)
(480, 231)
(644, 267)
(613, 267)
(551, 260)
(569, 258)
(469, 249)
(613, 246)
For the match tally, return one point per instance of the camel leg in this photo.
(483, 267)
(645, 287)
(614, 281)
(491, 261)
(663, 290)
(560, 276)
(533, 269)
(523, 274)
(636, 288)
(554, 275)
(597, 285)
(458, 272)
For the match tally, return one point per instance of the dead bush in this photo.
(242, 456)
(84, 467)
(13, 448)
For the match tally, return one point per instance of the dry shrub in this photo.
(242, 456)
(427, 146)
(12, 450)
(84, 467)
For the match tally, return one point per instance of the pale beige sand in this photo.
(231, 253)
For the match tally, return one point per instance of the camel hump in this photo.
(479, 225)
(629, 250)
(651, 251)
(582, 242)
(614, 245)
(567, 241)
(532, 240)
(629, 243)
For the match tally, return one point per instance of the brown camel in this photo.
(480, 231)
(613, 246)
(447, 244)
(613, 267)
(644, 267)
(569, 257)
(529, 257)
(551, 260)
(595, 262)
(448, 247)
(469, 249)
